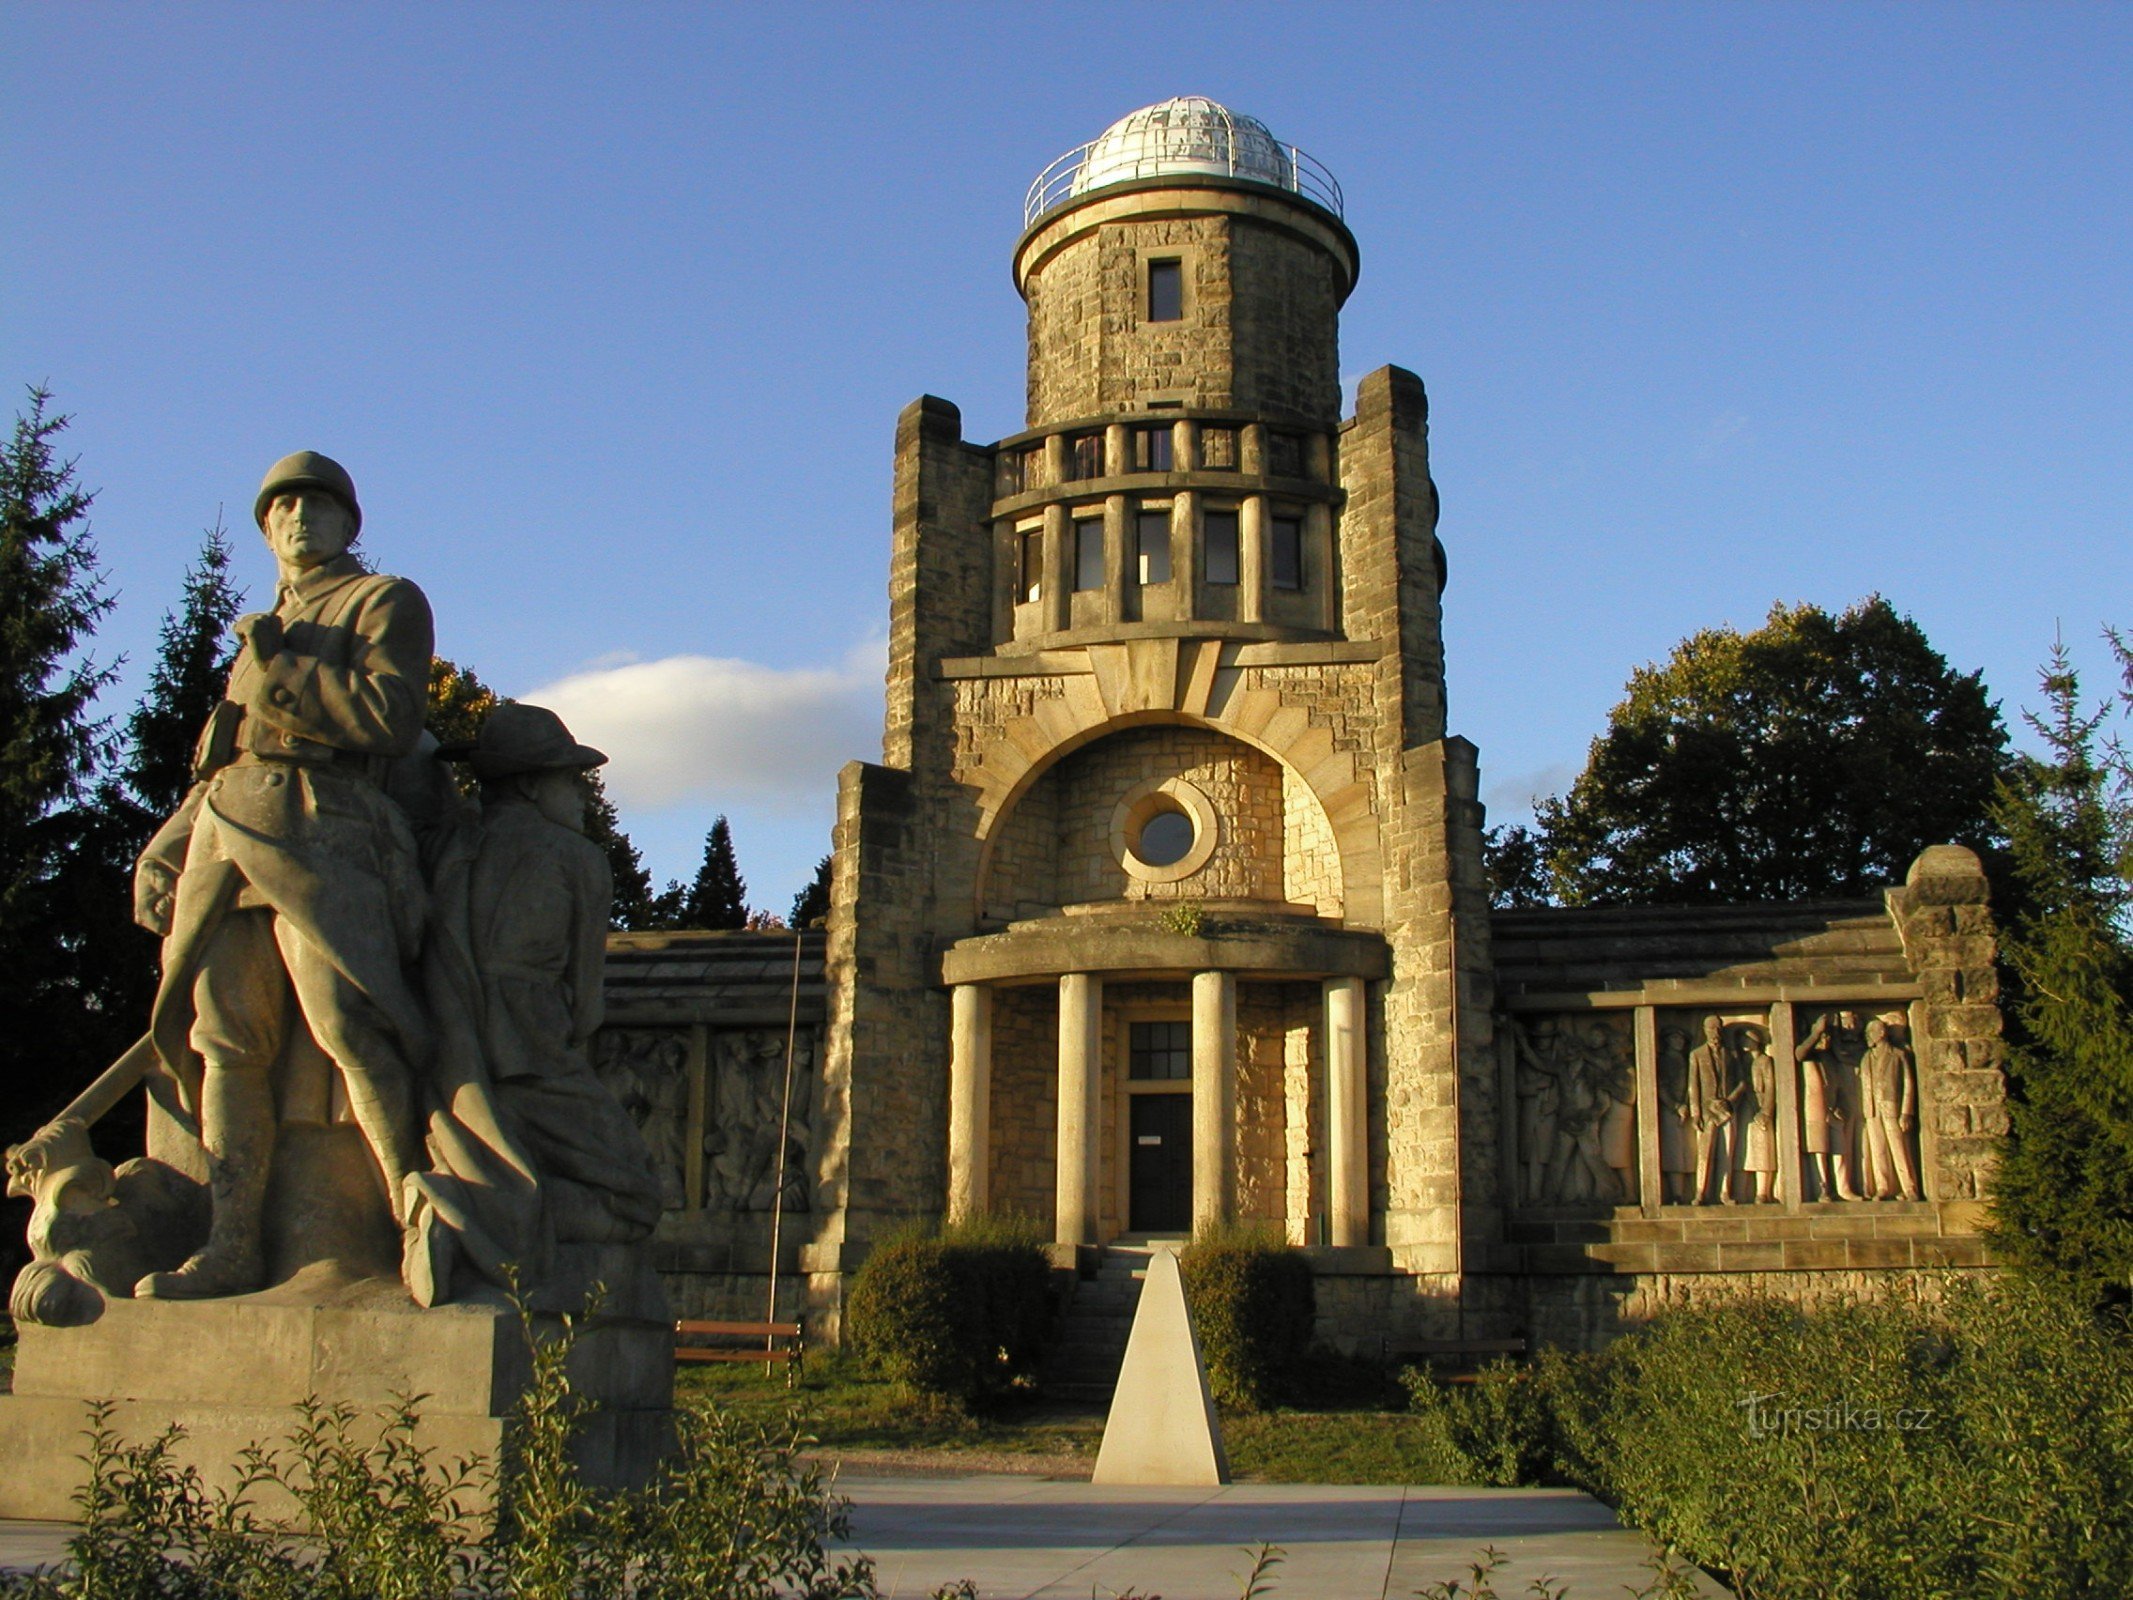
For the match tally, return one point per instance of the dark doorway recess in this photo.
(1161, 1166)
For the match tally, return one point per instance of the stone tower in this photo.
(1164, 904)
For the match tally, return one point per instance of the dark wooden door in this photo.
(1160, 1171)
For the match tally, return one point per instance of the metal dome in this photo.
(1188, 136)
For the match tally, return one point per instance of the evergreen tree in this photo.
(2063, 1195)
(1813, 758)
(813, 901)
(193, 655)
(718, 899)
(51, 598)
(153, 776)
(635, 908)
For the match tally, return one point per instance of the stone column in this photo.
(1058, 595)
(1651, 1182)
(1214, 1098)
(1251, 558)
(969, 1099)
(1077, 1203)
(1785, 1061)
(1347, 1126)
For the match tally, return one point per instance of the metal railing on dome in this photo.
(1300, 174)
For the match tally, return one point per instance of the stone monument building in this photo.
(1164, 905)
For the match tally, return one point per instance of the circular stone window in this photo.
(1163, 830)
(1165, 837)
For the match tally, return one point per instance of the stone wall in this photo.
(1025, 1100)
(1243, 784)
(1432, 1065)
(1259, 331)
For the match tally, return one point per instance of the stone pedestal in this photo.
(232, 1373)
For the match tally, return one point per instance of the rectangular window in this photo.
(1221, 546)
(1166, 291)
(1284, 455)
(1031, 583)
(1088, 552)
(1151, 449)
(1151, 539)
(1285, 552)
(1086, 453)
(1218, 448)
(1160, 1052)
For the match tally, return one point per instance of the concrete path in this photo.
(1015, 1536)
(1021, 1536)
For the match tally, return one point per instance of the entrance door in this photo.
(1160, 1172)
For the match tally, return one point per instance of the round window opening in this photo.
(1166, 837)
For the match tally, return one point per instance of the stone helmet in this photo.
(517, 739)
(307, 469)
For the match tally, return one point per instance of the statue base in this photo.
(232, 1373)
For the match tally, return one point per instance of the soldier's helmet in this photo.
(307, 469)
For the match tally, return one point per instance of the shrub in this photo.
(1498, 1430)
(1253, 1306)
(962, 1315)
(1981, 1446)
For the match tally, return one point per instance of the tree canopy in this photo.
(1811, 758)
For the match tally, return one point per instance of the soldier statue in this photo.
(287, 887)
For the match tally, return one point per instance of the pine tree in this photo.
(193, 655)
(718, 899)
(119, 973)
(635, 907)
(51, 598)
(2063, 1196)
(813, 902)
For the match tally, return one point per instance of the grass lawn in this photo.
(1349, 1428)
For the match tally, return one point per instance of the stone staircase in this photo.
(1089, 1344)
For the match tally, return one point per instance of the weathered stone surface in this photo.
(234, 1371)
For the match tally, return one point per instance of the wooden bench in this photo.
(773, 1341)
(1454, 1360)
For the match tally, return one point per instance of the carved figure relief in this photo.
(1758, 1113)
(1889, 1090)
(1577, 1126)
(1830, 1052)
(647, 1070)
(1677, 1157)
(744, 1106)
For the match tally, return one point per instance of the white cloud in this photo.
(711, 729)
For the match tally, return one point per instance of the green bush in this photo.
(1498, 1430)
(1253, 1306)
(961, 1315)
(1980, 1445)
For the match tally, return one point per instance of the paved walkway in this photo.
(1021, 1537)
(1015, 1536)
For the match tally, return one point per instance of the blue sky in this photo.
(610, 310)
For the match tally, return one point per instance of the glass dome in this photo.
(1188, 136)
